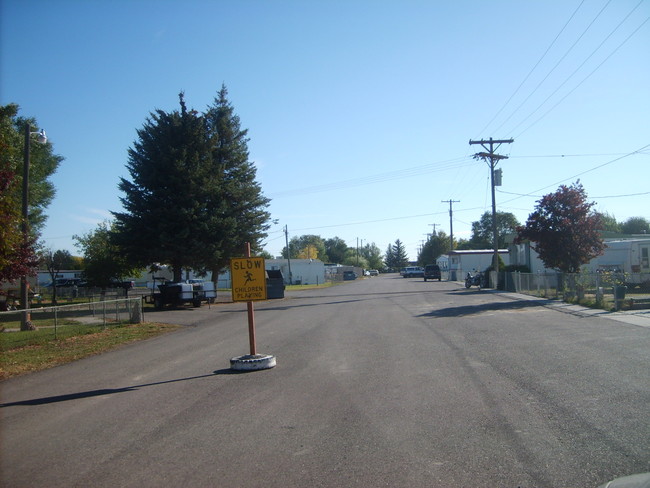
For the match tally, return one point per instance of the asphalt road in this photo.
(379, 382)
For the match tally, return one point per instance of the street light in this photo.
(25, 321)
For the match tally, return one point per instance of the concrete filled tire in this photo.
(252, 362)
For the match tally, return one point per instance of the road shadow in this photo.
(465, 310)
(290, 302)
(366, 295)
(287, 305)
(111, 391)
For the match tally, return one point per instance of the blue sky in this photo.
(359, 112)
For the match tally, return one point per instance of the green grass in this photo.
(309, 287)
(29, 351)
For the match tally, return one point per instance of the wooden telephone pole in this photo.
(451, 223)
(492, 159)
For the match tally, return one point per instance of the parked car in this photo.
(373, 272)
(349, 275)
(432, 272)
(66, 283)
(413, 272)
(127, 285)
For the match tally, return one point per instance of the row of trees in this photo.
(633, 225)
(563, 229)
(334, 250)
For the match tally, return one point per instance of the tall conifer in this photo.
(192, 200)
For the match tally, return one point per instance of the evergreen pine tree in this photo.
(399, 254)
(241, 205)
(165, 205)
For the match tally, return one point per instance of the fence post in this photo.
(136, 313)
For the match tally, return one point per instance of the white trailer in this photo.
(473, 260)
(630, 257)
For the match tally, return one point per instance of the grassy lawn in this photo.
(309, 287)
(29, 351)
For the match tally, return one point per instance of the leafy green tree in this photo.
(354, 257)
(609, 223)
(55, 261)
(564, 229)
(463, 244)
(436, 245)
(18, 256)
(306, 247)
(482, 232)
(104, 260)
(335, 250)
(373, 256)
(636, 225)
(265, 254)
(43, 163)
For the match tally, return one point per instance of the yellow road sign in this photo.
(248, 279)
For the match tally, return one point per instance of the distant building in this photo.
(443, 262)
(303, 271)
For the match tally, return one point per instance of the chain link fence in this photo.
(97, 314)
(602, 290)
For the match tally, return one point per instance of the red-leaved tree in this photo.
(17, 256)
(563, 229)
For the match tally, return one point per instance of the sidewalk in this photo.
(640, 318)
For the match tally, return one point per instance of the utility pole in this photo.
(357, 252)
(434, 228)
(286, 237)
(451, 234)
(492, 159)
(451, 223)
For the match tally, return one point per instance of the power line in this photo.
(377, 178)
(580, 174)
(533, 69)
(403, 217)
(554, 67)
(568, 155)
(599, 197)
(587, 77)
(578, 69)
(416, 171)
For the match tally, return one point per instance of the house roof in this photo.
(479, 251)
